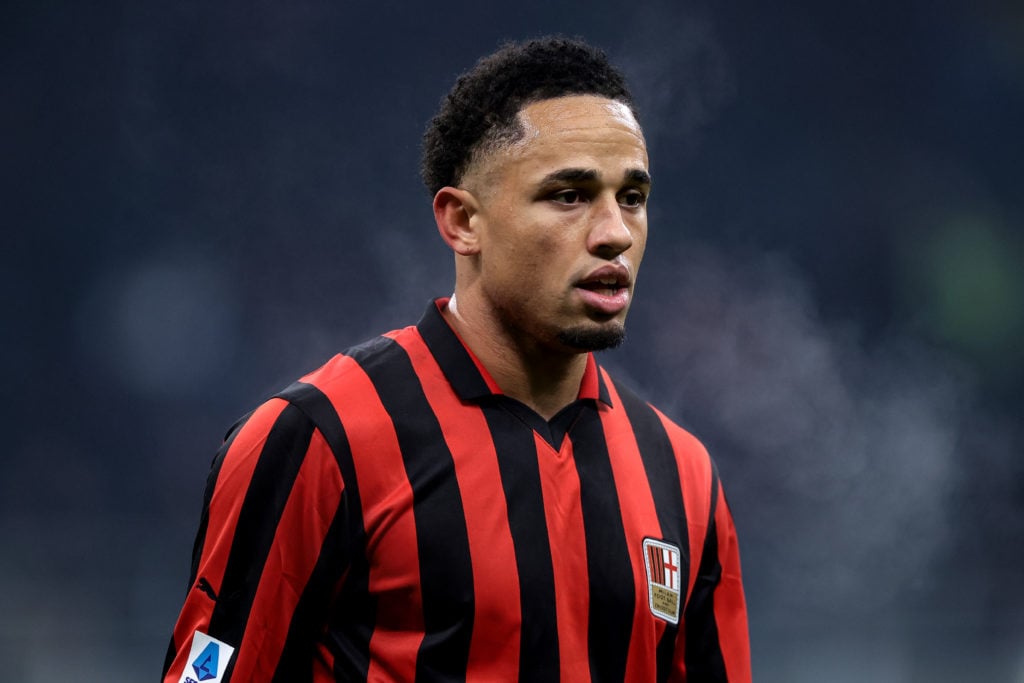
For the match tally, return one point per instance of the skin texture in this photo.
(534, 225)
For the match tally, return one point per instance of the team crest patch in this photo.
(206, 660)
(663, 579)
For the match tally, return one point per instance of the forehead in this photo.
(572, 111)
(580, 131)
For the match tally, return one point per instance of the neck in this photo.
(538, 377)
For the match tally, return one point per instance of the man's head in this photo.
(542, 200)
(480, 112)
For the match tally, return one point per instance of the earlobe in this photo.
(454, 211)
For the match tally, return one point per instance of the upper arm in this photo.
(272, 499)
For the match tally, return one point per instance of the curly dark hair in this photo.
(479, 113)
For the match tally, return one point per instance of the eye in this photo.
(567, 196)
(633, 198)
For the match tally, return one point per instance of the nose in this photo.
(610, 234)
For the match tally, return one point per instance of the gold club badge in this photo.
(663, 579)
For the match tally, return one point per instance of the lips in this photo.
(606, 289)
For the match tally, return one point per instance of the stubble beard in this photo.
(586, 338)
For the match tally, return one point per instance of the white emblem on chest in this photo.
(663, 579)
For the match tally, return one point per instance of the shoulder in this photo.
(305, 412)
(679, 468)
(344, 384)
(345, 367)
(645, 417)
(349, 366)
(667, 449)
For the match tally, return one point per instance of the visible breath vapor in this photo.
(845, 453)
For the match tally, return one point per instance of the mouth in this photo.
(603, 287)
(606, 290)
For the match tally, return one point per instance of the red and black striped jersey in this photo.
(393, 517)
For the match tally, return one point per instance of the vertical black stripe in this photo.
(310, 615)
(455, 361)
(662, 470)
(520, 478)
(612, 587)
(351, 623)
(446, 575)
(271, 484)
(204, 521)
(704, 661)
(353, 614)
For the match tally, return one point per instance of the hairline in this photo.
(500, 138)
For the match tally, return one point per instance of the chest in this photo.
(484, 517)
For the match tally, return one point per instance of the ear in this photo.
(454, 212)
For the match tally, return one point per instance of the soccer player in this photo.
(473, 497)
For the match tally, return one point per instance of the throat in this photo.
(548, 387)
(543, 377)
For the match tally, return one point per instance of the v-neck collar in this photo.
(471, 381)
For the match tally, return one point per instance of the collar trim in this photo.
(468, 376)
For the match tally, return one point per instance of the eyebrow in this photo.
(638, 176)
(580, 175)
(570, 175)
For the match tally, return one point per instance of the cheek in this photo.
(539, 246)
(641, 248)
(639, 243)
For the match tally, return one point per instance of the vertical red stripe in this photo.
(651, 562)
(297, 541)
(640, 520)
(232, 482)
(494, 648)
(730, 605)
(563, 514)
(659, 562)
(387, 516)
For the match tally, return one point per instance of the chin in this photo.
(593, 338)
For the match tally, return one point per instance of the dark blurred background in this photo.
(202, 201)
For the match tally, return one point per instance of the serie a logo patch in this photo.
(663, 579)
(206, 660)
